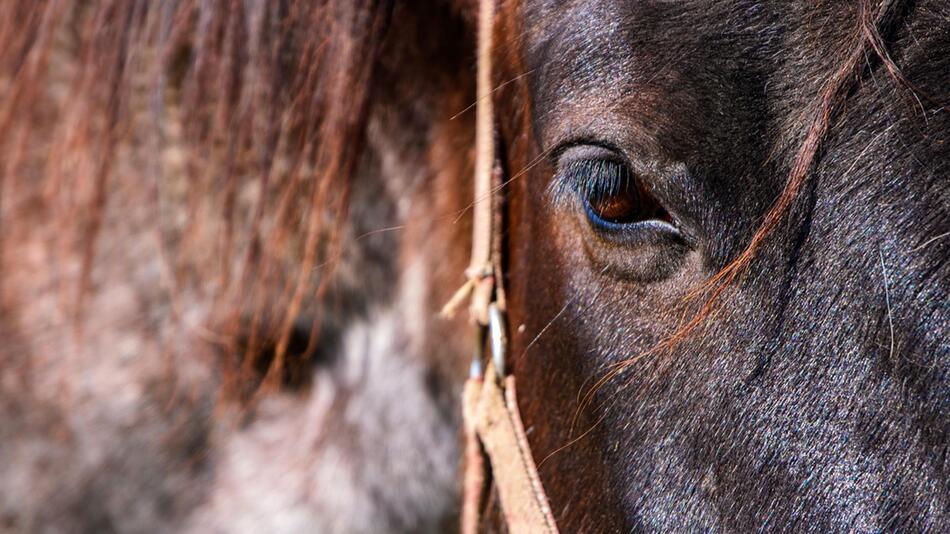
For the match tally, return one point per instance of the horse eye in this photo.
(614, 196)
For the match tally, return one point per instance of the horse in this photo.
(228, 229)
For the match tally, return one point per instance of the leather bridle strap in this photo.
(480, 284)
(490, 409)
(492, 422)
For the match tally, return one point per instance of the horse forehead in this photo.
(590, 34)
(628, 60)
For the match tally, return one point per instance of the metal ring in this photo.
(499, 339)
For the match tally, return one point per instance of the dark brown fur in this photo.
(778, 404)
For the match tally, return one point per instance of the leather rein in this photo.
(496, 447)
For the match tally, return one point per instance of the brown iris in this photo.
(626, 202)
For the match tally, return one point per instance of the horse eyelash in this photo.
(590, 179)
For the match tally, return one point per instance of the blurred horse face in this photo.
(660, 135)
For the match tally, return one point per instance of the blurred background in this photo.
(220, 265)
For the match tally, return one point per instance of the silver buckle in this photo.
(497, 339)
